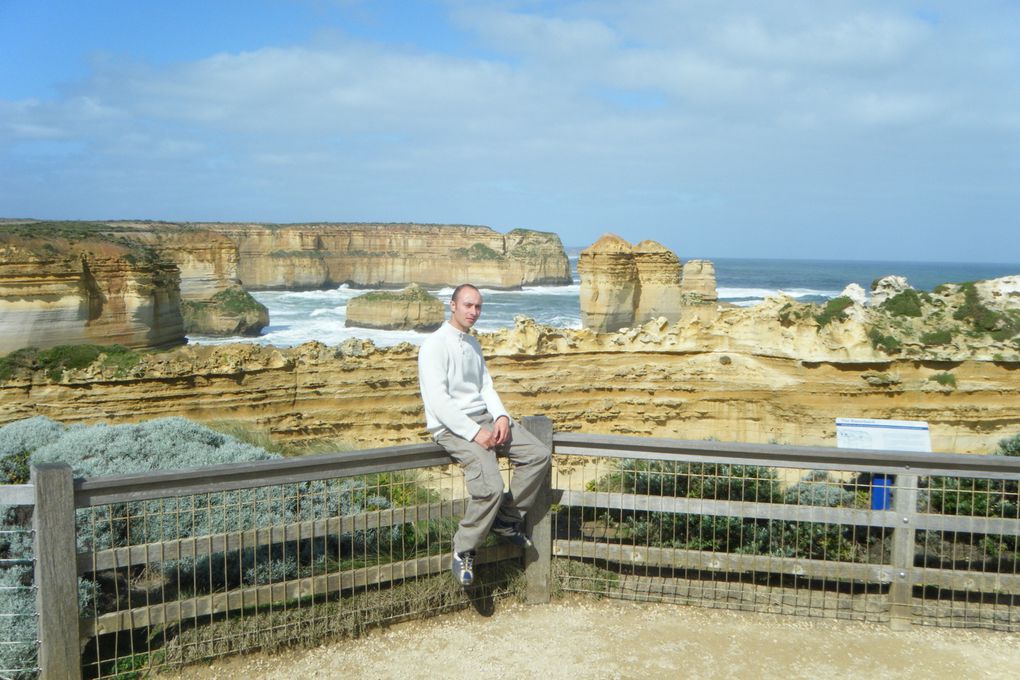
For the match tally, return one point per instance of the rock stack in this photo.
(411, 309)
(624, 285)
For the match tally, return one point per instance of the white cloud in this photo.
(562, 116)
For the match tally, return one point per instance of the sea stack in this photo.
(411, 309)
(658, 271)
(609, 284)
(624, 286)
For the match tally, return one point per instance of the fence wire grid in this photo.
(19, 643)
(175, 580)
(814, 542)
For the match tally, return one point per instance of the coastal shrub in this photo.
(974, 312)
(792, 312)
(945, 379)
(478, 251)
(819, 540)
(834, 310)
(55, 360)
(691, 480)
(19, 439)
(236, 300)
(884, 343)
(974, 496)
(904, 303)
(942, 336)
(17, 361)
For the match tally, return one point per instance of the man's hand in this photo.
(501, 431)
(485, 439)
(498, 435)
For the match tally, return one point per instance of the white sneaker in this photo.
(463, 567)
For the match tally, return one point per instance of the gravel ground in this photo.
(611, 639)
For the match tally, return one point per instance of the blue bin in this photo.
(881, 492)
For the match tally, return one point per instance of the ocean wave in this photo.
(572, 289)
(762, 293)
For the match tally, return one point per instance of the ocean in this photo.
(299, 317)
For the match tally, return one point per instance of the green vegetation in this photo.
(55, 360)
(478, 251)
(980, 497)
(885, 343)
(409, 294)
(236, 300)
(77, 231)
(945, 379)
(834, 310)
(974, 312)
(792, 312)
(942, 336)
(723, 533)
(905, 303)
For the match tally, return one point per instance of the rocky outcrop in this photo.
(609, 284)
(392, 255)
(697, 283)
(658, 275)
(75, 287)
(231, 311)
(773, 372)
(623, 286)
(412, 309)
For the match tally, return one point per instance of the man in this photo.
(467, 418)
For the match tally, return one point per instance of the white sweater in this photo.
(455, 383)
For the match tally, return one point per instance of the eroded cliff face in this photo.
(384, 255)
(58, 291)
(750, 377)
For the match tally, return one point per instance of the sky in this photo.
(816, 129)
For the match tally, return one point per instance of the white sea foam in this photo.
(762, 293)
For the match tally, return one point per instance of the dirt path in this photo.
(612, 639)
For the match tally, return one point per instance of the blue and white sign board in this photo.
(882, 435)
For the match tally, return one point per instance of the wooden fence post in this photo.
(901, 590)
(538, 560)
(56, 577)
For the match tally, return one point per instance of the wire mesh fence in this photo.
(845, 543)
(18, 629)
(173, 580)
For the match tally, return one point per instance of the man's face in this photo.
(466, 309)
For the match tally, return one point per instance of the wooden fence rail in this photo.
(57, 497)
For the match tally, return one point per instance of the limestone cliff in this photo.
(658, 273)
(759, 374)
(73, 285)
(609, 284)
(412, 309)
(624, 285)
(393, 255)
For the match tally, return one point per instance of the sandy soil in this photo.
(584, 638)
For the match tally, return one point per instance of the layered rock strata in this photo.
(231, 311)
(80, 289)
(412, 309)
(609, 284)
(624, 285)
(759, 374)
(393, 255)
(658, 275)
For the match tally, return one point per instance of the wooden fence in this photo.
(59, 499)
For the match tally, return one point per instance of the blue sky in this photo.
(818, 129)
